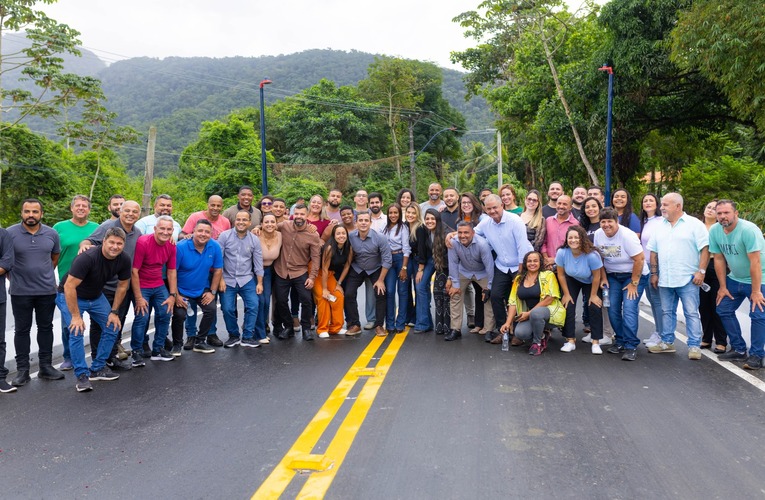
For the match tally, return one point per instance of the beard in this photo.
(299, 222)
(375, 210)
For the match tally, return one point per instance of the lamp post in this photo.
(263, 172)
(610, 71)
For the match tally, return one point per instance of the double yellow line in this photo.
(323, 468)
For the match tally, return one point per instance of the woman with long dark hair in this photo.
(589, 219)
(534, 305)
(510, 199)
(437, 239)
(328, 286)
(711, 325)
(650, 219)
(425, 234)
(471, 210)
(405, 198)
(621, 200)
(396, 280)
(580, 269)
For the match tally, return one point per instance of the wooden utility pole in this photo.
(499, 158)
(412, 164)
(148, 178)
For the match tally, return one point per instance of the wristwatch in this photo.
(703, 271)
(115, 312)
(635, 283)
(174, 295)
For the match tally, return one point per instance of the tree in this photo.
(39, 63)
(723, 40)
(96, 129)
(394, 83)
(509, 24)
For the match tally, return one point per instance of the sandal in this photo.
(705, 345)
(720, 349)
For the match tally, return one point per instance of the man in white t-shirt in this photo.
(627, 274)
(434, 198)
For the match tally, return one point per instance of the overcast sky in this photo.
(415, 29)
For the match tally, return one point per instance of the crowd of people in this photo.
(509, 270)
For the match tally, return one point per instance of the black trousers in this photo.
(575, 287)
(179, 319)
(351, 287)
(500, 292)
(442, 319)
(3, 369)
(43, 307)
(283, 287)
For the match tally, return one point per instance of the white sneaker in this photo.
(265, 341)
(596, 349)
(606, 341)
(587, 338)
(653, 340)
(568, 347)
(342, 331)
(324, 335)
(369, 326)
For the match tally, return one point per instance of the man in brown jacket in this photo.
(296, 267)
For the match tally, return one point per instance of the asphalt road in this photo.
(451, 420)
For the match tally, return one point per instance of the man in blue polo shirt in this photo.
(195, 258)
(33, 289)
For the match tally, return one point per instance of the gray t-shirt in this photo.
(33, 267)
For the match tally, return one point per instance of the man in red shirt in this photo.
(152, 253)
(213, 214)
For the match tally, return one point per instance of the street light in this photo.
(610, 71)
(263, 172)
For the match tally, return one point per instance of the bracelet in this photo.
(115, 312)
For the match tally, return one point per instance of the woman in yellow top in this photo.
(534, 305)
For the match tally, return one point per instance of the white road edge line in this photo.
(739, 372)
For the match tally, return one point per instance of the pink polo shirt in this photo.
(150, 258)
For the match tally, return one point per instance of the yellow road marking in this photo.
(323, 468)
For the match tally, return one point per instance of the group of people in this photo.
(508, 272)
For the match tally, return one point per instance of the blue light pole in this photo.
(609, 126)
(263, 171)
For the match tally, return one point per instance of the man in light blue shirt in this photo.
(506, 234)
(163, 205)
(470, 261)
(679, 249)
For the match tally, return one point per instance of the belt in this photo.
(394, 252)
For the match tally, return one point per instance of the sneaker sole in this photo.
(160, 358)
(83, 389)
(138, 365)
(229, 346)
(177, 354)
(250, 346)
(106, 379)
(204, 351)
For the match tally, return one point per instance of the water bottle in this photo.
(606, 297)
(705, 287)
(505, 341)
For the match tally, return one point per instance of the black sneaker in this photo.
(83, 384)
(490, 335)
(203, 347)
(753, 362)
(6, 387)
(119, 364)
(177, 350)
(137, 359)
(189, 344)
(250, 343)
(161, 355)
(103, 374)
(615, 349)
(214, 341)
(146, 349)
(732, 355)
(232, 341)
(629, 355)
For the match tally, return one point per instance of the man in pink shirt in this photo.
(213, 214)
(153, 252)
(556, 226)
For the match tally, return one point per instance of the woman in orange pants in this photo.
(328, 288)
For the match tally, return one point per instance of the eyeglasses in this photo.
(266, 203)
(532, 199)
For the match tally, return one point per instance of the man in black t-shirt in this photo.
(81, 290)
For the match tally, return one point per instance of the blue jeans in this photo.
(623, 312)
(155, 297)
(654, 298)
(689, 295)
(393, 284)
(727, 312)
(264, 304)
(98, 309)
(423, 319)
(65, 341)
(228, 304)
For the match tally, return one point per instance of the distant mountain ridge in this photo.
(178, 93)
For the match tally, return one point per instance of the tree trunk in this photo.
(95, 177)
(567, 109)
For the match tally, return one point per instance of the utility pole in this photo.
(412, 164)
(499, 157)
(148, 178)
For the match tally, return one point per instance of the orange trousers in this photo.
(330, 314)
